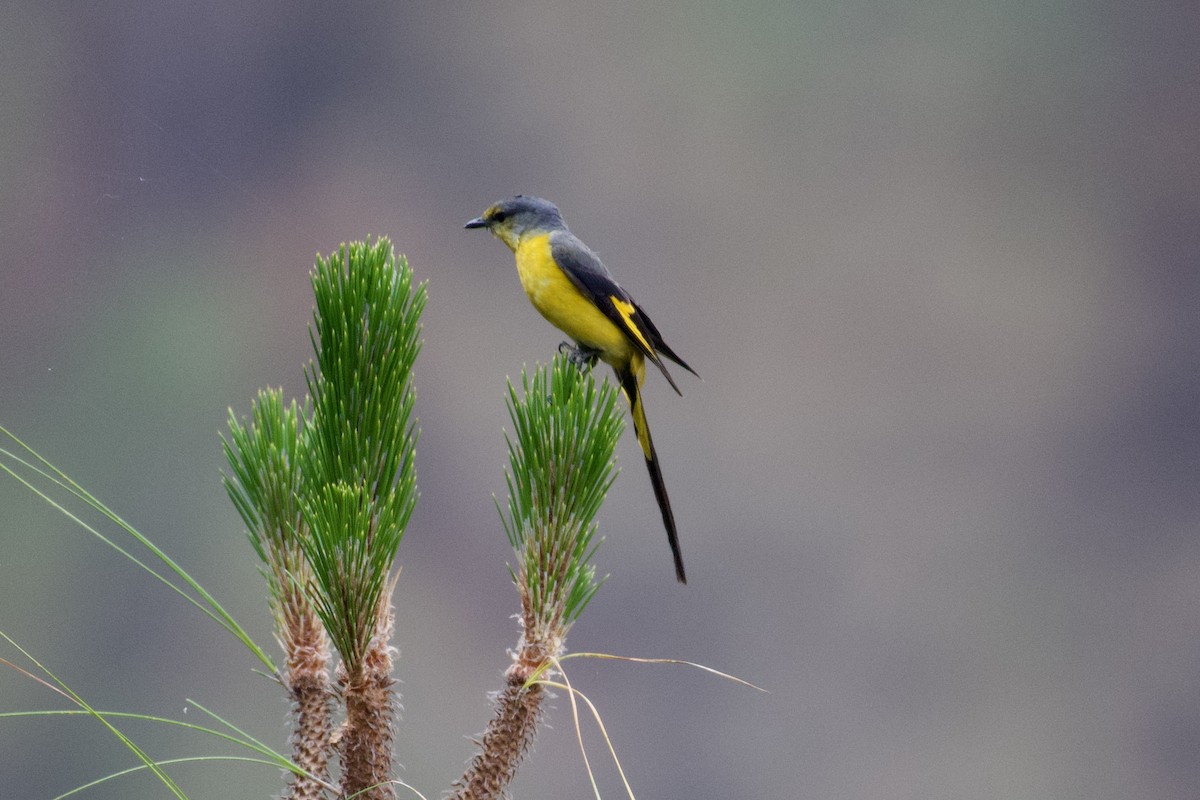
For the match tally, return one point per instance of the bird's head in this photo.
(512, 219)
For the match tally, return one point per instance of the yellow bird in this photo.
(569, 286)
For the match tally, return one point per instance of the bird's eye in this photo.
(499, 216)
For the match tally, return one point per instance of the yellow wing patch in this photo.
(626, 311)
(560, 301)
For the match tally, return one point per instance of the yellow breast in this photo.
(556, 298)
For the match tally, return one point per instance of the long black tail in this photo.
(629, 383)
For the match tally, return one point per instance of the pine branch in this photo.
(359, 484)
(264, 456)
(561, 465)
(327, 500)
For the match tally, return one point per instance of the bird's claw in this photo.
(578, 355)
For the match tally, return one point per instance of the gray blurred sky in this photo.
(937, 263)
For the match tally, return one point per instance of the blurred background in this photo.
(936, 263)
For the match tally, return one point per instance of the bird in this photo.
(569, 285)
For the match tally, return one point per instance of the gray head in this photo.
(516, 217)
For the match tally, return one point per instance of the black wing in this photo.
(592, 278)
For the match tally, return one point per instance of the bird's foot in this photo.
(579, 355)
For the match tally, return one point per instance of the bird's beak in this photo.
(478, 222)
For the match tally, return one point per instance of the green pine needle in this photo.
(264, 486)
(358, 472)
(561, 465)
